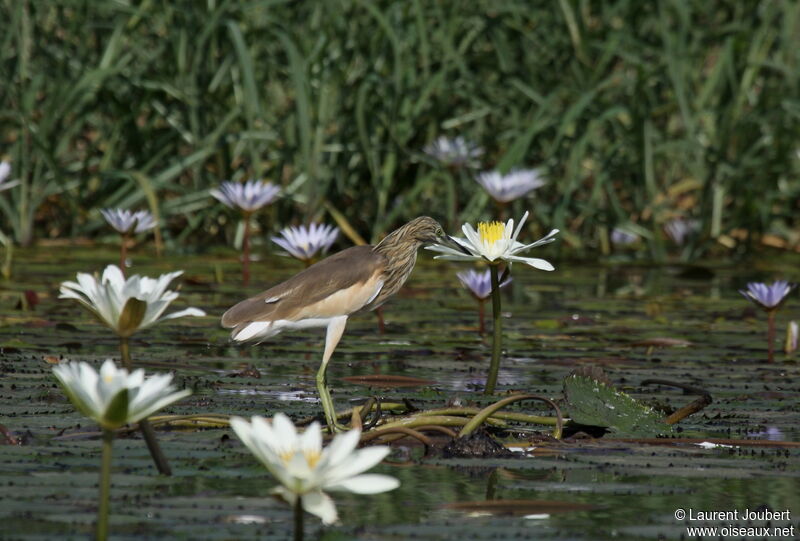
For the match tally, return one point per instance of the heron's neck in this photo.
(398, 246)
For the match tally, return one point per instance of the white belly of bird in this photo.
(341, 303)
(261, 330)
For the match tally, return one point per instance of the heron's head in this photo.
(424, 230)
(408, 238)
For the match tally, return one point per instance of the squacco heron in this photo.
(327, 293)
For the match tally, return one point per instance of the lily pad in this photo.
(592, 402)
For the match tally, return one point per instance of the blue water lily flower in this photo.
(511, 186)
(127, 222)
(479, 283)
(249, 196)
(457, 151)
(304, 242)
(621, 237)
(768, 297)
(5, 172)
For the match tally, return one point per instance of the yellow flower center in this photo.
(312, 457)
(491, 232)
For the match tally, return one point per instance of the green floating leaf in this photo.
(592, 402)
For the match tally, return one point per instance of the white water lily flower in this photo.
(126, 305)
(5, 171)
(515, 184)
(115, 397)
(126, 222)
(457, 151)
(305, 469)
(249, 196)
(494, 242)
(304, 242)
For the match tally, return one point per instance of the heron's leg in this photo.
(334, 334)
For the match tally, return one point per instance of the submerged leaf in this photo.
(387, 380)
(519, 507)
(591, 402)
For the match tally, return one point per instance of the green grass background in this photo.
(637, 112)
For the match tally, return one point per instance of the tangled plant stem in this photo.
(146, 428)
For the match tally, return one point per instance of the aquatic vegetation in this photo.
(479, 285)
(248, 197)
(455, 152)
(128, 223)
(113, 398)
(769, 298)
(306, 470)
(307, 242)
(595, 402)
(494, 243)
(505, 188)
(127, 306)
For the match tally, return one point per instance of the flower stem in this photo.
(481, 317)
(246, 250)
(497, 338)
(298, 518)
(125, 352)
(155, 449)
(105, 486)
(148, 433)
(771, 336)
(123, 252)
(381, 323)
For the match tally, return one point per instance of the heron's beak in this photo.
(447, 240)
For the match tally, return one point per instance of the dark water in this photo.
(579, 315)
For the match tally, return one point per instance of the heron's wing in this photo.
(338, 285)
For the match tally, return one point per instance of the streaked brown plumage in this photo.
(326, 293)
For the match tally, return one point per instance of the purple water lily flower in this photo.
(768, 297)
(249, 196)
(5, 171)
(479, 283)
(304, 242)
(457, 151)
(620, 237)
(679, 229)
(771, 433)
(126, 222)
(511, 186)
